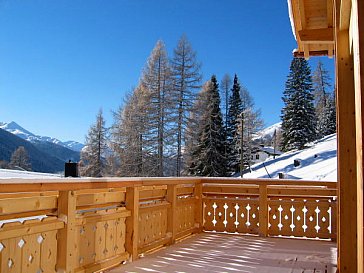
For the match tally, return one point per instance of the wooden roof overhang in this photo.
(313, 27)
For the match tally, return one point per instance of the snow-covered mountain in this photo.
(19, 131)
(317, 162)
(266, 134)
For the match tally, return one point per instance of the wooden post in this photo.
(357, 26)
(132, 222)
(172, 212)
(66, 240)
(263, 211)
(198, 207)
(347, 178)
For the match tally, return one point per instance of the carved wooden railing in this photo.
(89, 225)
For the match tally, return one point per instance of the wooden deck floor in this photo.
(211, 252)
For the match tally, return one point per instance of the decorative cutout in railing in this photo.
(30, 246)
(232, 215)
(302, 217)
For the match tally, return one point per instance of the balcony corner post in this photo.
(199, 207)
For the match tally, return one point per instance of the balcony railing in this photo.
(88, 225)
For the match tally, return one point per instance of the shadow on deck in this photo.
(212, 252)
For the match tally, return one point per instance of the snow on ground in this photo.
(318, 162)
(23, 174)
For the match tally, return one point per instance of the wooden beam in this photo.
(66, 260)
(344, 14)
(357, 29)
(172, 212)
(347, 177)
(321, 35)
(132, 222)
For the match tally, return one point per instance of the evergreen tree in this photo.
(298, 114)
(186, 79)
(210, 151)
(20, 159)
(235, 109)
(225, 96)
(93, 155)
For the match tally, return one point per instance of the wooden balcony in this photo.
(93, 225)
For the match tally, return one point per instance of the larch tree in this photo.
(93, 155)
(323, 100)
(129, 132)
(156, 79)
(20, 159)
(210, 151)
(186, 79)
(299, 120)
(251, 123)
(235, 109)
(194, 127)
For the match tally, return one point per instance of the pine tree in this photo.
(20, 159)
(298, 114)
(235, 109)
(93, 155)
(210, 151)
(186, 79)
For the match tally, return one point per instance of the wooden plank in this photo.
(102, 217)
(263, 211)
(67, 236)
(347, 177)
(100, 198)
(30, 254)
(132, 232)
(302, 192)
(172, 212)
(103, 265)
(198, 208)
(323, 35)
(357, 26)
(153, 194)
(18, 205)
(156, 244)
(27, 229)
(48, 257)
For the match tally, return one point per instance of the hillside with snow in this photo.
(317, 162)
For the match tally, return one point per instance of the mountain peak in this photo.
(16, 129)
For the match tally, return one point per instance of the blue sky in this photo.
(61, 61)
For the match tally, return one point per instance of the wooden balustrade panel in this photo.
(152, 224)
(30, 246)
(231, 215)
(300, 217)
(185, 214)
(100, 236)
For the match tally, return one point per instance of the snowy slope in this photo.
(318, 162)
(19, 131)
